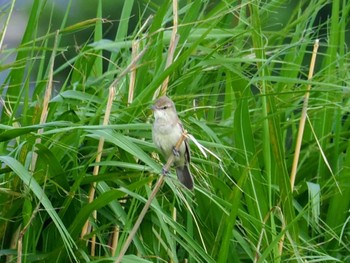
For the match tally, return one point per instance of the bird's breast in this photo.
(166, 136)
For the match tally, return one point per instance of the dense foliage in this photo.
(238, 76)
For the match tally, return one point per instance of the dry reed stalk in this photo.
(149, 201)
(96, 170)
(162, 91)
(46, 101)
(134, 51)
(273, 210)
(303, 117)
(87, 227)
(172, 46)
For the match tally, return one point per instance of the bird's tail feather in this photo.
(184, 176)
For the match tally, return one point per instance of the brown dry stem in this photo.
(149, 201)
(303, 117)
(112, 92)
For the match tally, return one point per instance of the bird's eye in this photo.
(164, 107)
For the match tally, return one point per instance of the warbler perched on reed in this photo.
(166, 132)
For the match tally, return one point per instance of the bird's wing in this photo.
(187, 146)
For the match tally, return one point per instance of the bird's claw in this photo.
(164, 171)
(176, 152)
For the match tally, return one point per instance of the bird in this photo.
(166, 131)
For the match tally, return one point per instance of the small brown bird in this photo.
(166, 132)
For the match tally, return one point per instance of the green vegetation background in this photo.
(238, 79)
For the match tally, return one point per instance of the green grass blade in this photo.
(30, 182)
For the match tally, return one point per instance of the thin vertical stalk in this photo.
(303, 117)
(134, 50)
(149, 201)
(105, 122)
(98, 159)
(46, 101)
(172, 46)
(6, 23)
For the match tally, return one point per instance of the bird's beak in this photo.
(153, 107)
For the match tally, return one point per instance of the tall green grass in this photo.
(238, 79)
